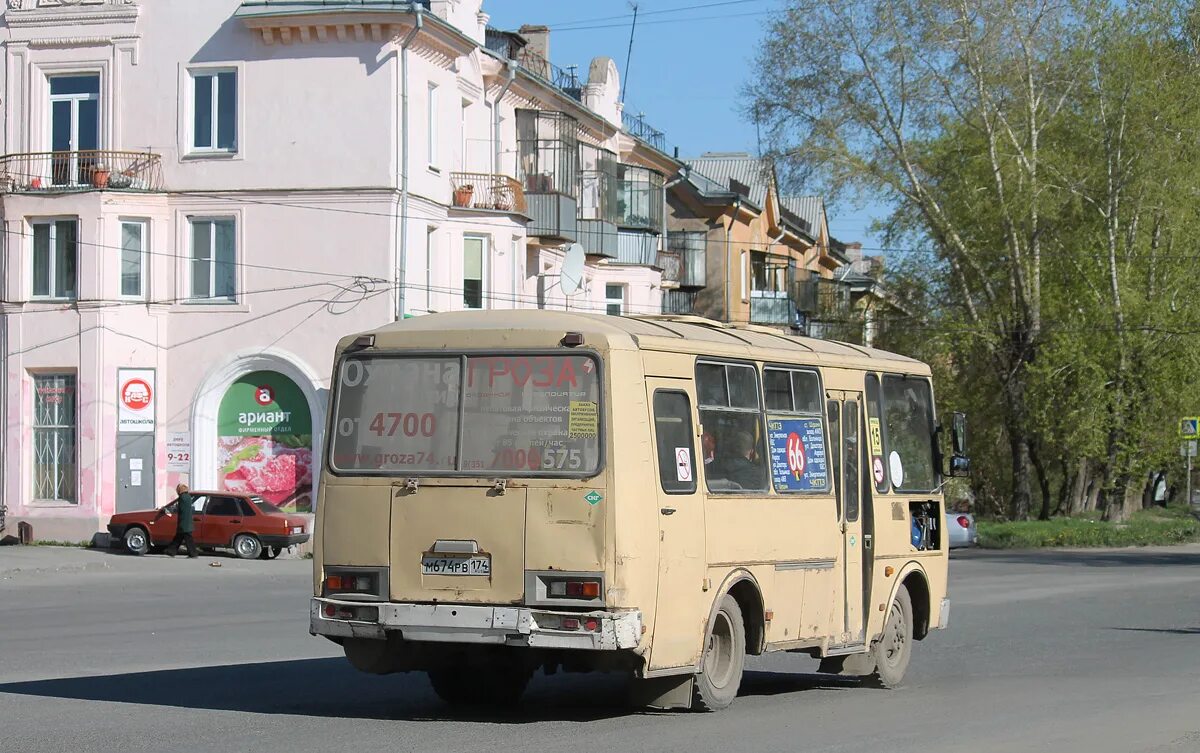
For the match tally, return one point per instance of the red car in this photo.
(247, 524)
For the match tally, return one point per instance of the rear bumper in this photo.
(451, 623)
(295, 538)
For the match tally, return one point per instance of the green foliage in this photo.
(1146, 528)
(1041, 159)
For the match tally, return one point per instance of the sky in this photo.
(689, 64)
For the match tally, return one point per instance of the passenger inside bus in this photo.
(736, 461)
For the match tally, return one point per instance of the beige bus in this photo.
(508, 491)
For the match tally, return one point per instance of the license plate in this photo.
(298, 530)
(432, 565)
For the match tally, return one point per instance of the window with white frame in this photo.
(54, 466)
(214, 110)
(431, 127)
(614, 299)
(473, 272)
(55, 254)
(133, 258)
(214, 259)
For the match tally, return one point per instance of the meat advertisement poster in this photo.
(265, 441)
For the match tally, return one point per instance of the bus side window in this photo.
(673, 434)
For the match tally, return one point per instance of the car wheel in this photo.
(137, 541)
(724, 659)
(893, 650)
(271, 552)
(247, 547)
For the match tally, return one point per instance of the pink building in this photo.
(199, 198)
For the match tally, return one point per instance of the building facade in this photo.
(199, 198)
(748, 254)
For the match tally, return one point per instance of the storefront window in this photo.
(54, 470)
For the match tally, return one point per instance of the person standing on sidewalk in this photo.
(185, 525)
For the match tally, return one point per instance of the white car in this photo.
(960, 528)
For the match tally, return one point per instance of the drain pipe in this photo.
(737, 208)
(402, 274)
(497, 156)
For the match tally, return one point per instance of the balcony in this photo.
(640, 198)
(92, 170)
(772, 310)
(598, 200)
(671, 265)
(637, 247)
(679, 302)
(496, 193)
(692, 247)
(548, 160)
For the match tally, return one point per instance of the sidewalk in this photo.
(20, 561)
(31, 560)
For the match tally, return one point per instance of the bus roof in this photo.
(665, 332)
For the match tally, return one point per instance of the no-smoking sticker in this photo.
(683, 463)
(877, 469)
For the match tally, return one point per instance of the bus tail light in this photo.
(361, 583)
(575, 589)
(964, 521)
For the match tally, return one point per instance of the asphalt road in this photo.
(1055, 651)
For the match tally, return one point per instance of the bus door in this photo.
(680, 611)
(845, 408)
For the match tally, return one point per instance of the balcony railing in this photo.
(564, 79)
(636, 125)
(97, 169)
(679, 302)
(671, 265)
(486, 191)
(772, 310)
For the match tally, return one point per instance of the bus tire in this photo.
(499, 684)
(723, 660)
(893, 650)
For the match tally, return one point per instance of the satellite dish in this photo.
(570, 280)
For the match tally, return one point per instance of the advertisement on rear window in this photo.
(798, 462)
(521, 415)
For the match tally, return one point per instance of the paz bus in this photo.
(513, 491)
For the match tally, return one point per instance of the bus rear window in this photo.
(524, 415)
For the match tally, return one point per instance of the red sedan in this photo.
(249, 525)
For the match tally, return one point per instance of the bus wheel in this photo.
(893, 650)
(723, 660)
(498, 684)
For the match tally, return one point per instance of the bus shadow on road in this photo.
(331, 688)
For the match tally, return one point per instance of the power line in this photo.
(725, 17)
(662, 11)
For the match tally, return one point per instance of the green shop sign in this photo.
(263, 404)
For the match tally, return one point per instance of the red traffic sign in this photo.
(136, 394)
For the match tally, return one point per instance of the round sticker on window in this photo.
(897, 468)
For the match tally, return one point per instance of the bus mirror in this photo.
(960, 464)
